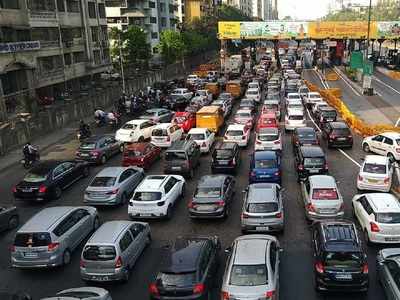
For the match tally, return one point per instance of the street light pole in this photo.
(121, 64)
(367, 78)
(369, 27)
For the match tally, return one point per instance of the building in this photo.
(48, 47)
(153, 16)
(196, 9)
(275, 15)
(246, 6)
(263, 10)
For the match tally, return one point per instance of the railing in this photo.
(43, 15)
(49, 44)
(55, 74)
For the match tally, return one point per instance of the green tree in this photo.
(172, 46)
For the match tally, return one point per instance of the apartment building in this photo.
(153, 16)
(264, 10)
(246, 6)
(48, 47)
(197, 8)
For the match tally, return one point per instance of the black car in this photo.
(225, 158)
(326, 114)
(9, 218)
(182, 158)
(310, 160)
(48, 178)
(212, 197)
(189, 270)
(337, 134)
(176, 103)
(340, 261)
(248, 104)
(304, 136)
(98, 149)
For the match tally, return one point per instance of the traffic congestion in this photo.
(240, 192)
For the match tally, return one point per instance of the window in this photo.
(64, 226)
(58, 171)
(92, 10)
(60, 5)
(136, 229)
(170, 184)
(154, 35)
(205, 260)
(162, 7)
(153, 20)
(79, 57)
(41, 5)
(171, 8)
(125, 241)
(378, 138)
(9, 4)
(68, 166)
(272, 257)
(388, 141)
(163, 22)
(67, 59)
(99, 253)
(97, 59)
(125, 175)
(102, 10)
(95, 33)
(78, 215)
(152, 4)
(73, 6)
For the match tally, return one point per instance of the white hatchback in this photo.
(268, 139)
(387, 143)
(237, 133)
(294, 118)
(312, 98)
(254, 94)
(135, 131)
(164, 134)
(375, 174)
(203, 137)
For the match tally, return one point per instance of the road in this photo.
(296, 277)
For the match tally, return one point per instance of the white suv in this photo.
(155, 196)
(379, 217)
(237, 133)
(375, 174)
(312, 98)
(164, 134)
(203, 137)
(135, 131)
(387, 143)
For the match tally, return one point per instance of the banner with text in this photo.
(388, 30)
(273, 30)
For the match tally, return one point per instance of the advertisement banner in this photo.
(273, 30)
(388, 30)
(228, 30)
(339, 30)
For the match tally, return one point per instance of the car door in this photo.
(362, 211)
(137, 231)
(210, 137)
(128, 248)
(113, 146)
(305, 192)
(147, 128)
(82, 226)
(228, 189)
(5, 213)
(171, 190)
(70, 173)
(58, 177)
(387, 146)
(376, 144)
(390, 276)
(103, 146)
(274, 264)
(207, 266)
(124, 182)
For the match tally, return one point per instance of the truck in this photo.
(234, 64)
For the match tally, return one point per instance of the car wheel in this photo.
(57, 192)
(141, 139)
(66, 259)
(366, 238)
(96, 224)
(169, 212)
(85, 172)
(103, 160)
(126, 275)
(13, 222)
(366, 148)
(391, 157)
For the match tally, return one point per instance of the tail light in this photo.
(398, 150)
(94, 153)
(278, 215)
(153, 290)
(198, 288)
(326, 166)
(220, 203)
(360, 178)
(332, 136)
(82, 264)
(118, 263)
(270, 294)
(252, 174)
(350, 137)
(42, 189)
(161, 203)
(224, 295)
(244, 216)
(365, 268)
(191, 204)
(12, 248)
(310, 207)
(52, 246)
(168, 138)
(374, 227)
(113, 192)
(14, 189)
(233, 162)
(277, 142)
(319, 267)
(386, 180)
(277, 173)
(300, 167)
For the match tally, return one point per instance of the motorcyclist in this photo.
(30, 152)
(84, 129)
(100, 115)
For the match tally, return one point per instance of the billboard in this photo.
(273, 30)
(339, 30)
(388, 30)
(228, 30)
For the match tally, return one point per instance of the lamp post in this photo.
(121, 64)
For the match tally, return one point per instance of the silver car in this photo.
(113, 185)
(322, 198)
(82, 293)
(252, 269)
(262, 208)
(113, 249)
(50, 236)
(388, 267)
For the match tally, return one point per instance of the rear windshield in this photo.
(208, 192)
(177, 279)
(314, 96)
(343, 259)
(147, 196)
(325, 194)
(295, 105)
(267, 207)
(388, 218)
(37, 239)
(223, 153)
(249, 275)
(243, 115)
(296, 118)
(179, 119)
(159, 132)
(133, 153)
(267, 137)
(342, 131)
(293, 97)
(306, 135)
(129, 126)
(329, 113)
(265, 163)
(196, 136)
(103, 181)
(252, 92)
(272, 106)
(246, 103)
(175, 156)
(374, 168)
(234, 133)
(314, 161)
(99, 253)
(36, 177)
(88, 146)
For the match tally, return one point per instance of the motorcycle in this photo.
(27, 163)
(83, 134)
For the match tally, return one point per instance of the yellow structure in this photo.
(196, 9)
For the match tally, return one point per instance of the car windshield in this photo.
(252, 93)
(314, 96)
(325, 194)
(267, 207)
(267, 137)
(398, 141)
(374, 168)
(234, 133)
(243, 115)
(388, 218)
(296, 118)
(175, 155)
(129, 126)
(177, 279)
(38, 175)
(313, 161)
(295, 106)
(293, 97)
(343, 259)
(196, 136)
(37, 239)
(99, 253)
(223, 153)
(265, 163)
(88, 146)
(246, 103)
(159, 132)
(147, 196)
(303, 90)
(208, 192)
(103, 181)
(248, 275)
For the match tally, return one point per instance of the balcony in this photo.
(105, 43)
(50, 44)
(44, 77)
(48, 16)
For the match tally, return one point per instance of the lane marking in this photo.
(397, 123)
(349, 157)
(385, 84)
(345, 80)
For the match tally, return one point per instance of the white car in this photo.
(135, 131)
(204, 94)
(203, 137)
(164, 134)
(312, 98)
(156, 196)
(294, 118)
(238, 133)
(292, 96)
(375, 174)
(379, 217)
(387, 143)
(319, 105)
(254, 94)
(192, 79)
(253, 85)
(303, 91)
(268, 139)
(183, 92)
(295, 104)
(81, 293)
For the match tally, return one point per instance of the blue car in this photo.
(265, 166)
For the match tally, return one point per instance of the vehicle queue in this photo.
(179, 139)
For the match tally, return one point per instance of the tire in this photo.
(57, 192)
(366, 148)
(126, 276)
(13, 222)
(96, 224)
(169, 212)
(66, 259)
(103, 160)
(141, 139)
(85, 172)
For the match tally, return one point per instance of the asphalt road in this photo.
(296, 278)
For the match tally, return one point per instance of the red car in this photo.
(184, 120)
(140, 154)
(267, 120)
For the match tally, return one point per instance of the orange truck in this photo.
(234, 87)
(213, 88)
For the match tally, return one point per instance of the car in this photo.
(175, 103)
(312, 98)
(225, 104)
(112, 251)
(164, 135)
(262, 209)
(317, 106)
(135, 131)
(337, 134)
(192, 79)
(184, 92)
(199, 101)
(375, 174)
(185, 120)
(310, 160)
(292, 97)
(237, 133)
(49, 237)
(188, 270)
(252, 268)
(158, 115)
(113, 186)
(267, 120)
(81, 293)
(387, 271)
(213, 197)
(226, 96)
(9, 218)
(294, 118)
(7, 295)
(225, 158)
(156, 196)
(245, 117)
(274, 105)
(379, 217)
(142, 155)
(203, 137)
(304, 136)
(247, 104)
(294, 104)
(49, 178)
(326, 114)
(269, 138)
(303, 91)
(254, 85)
(322, 198)
(182, 158)
(387, 143)
(253, 94)
(205, 94)
(265, 166)
(340, 263)
(98, 149)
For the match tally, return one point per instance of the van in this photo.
(234, 88)
(113, 249)
(211, 117)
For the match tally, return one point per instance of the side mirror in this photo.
(228, 250)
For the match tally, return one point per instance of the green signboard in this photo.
(368, 68)
(356, 60)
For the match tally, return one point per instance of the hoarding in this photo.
(273, 30)
(339, 30)
(388, 30)
(228, 30)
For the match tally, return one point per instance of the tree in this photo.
(172, 46)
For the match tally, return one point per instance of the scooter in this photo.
(81, 134)
(28, 163)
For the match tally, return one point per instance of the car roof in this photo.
(268, 131)
(152, 183)
(96, 138)
(243, 111)
(376, 159)
(198, 130)
(180, 145)
(111, 171)
(109, 232)
(261, 193)
(47, 165)
(383, 202)
(181, 113)
(391, 134)
(312, 151)
(136, 146)
(225, 146)
(322, 181)
(162, 126)
(136, 122)
(295, 112)
(338, 125)
(250, 250)
(293, 94)
(264, 154)
(340, 236)
(155, 109)
(236, 127)
(305, 129)
(212, 180)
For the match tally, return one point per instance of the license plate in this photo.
(145, 215)
(100, 278)
(327, 211)
(205, 207)
(313, 170)
(372, 180)
(176, 168)
(262, 228)
(26, 190)
(265, 176)
(344, 276)
(223, 162)
(30, 254)
(392, 239)
(341, 139)
(84, 154)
